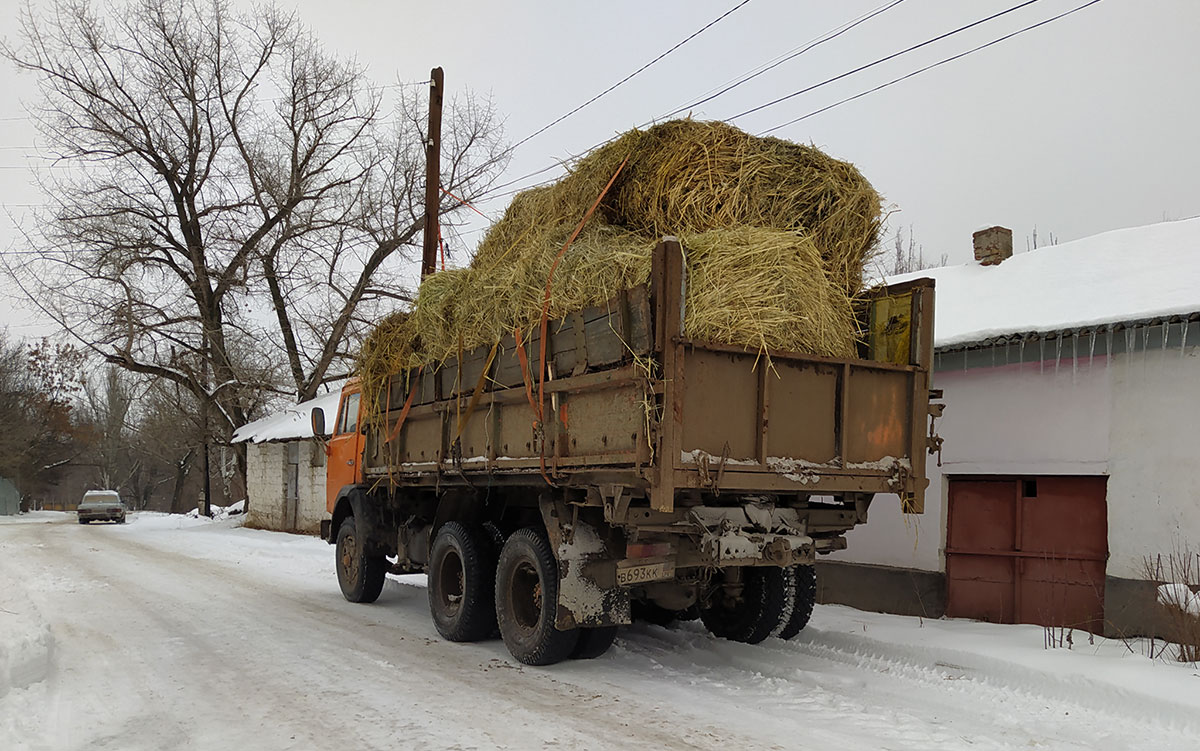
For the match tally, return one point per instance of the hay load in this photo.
(777, 233)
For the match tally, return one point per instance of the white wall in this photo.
(266, 468)
(1031, 418)
(1154, 488)
(312, 488)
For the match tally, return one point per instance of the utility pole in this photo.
(433, 174)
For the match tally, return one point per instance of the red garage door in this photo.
(1027, 550)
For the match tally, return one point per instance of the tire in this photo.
(360, 575)
(644, 611)
(803, 580)
(756, 614)
(593, 642)
(462, 580)
(121, 520)
(83, 521)
(527, 601)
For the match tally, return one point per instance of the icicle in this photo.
(993, 349)
(1183, 327)
(1108, 342)
(1021, 352)
(1057, 351)
(1145, 339)
(1091, 349)
(1166, 332)
(1130, 341)
(1074, 356)
(1041, 354)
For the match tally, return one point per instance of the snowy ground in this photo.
(181, 633)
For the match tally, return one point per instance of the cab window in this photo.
(348, 421)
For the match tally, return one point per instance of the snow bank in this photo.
(1180, 596)
(25, 639)
(1130, 274)
(290, 423)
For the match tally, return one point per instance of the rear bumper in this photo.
(100, 516)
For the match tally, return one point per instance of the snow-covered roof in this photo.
(288, 424)
(1136, 274)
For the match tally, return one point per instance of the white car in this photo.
(101, 505)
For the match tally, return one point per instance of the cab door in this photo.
(345, 449)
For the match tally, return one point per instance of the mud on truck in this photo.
(554, 490)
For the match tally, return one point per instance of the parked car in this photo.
(101, 505)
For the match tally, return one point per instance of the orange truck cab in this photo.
(343, 450)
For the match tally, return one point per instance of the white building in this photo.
(285, 468)
(1071, 378)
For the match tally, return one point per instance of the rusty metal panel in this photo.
(801, 419)
(1057, 591)
(721, 404)
(602, 422)
(981, 587)
(982, 517)
(1067, 516)
(877, 416)
(1047, 535)
(421, 437)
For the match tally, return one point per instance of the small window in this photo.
(348, 422)
(1029, 488)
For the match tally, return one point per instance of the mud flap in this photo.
(588, 595)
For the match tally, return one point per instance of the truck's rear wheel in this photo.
(594, 642)
(527, 601)
(752, 616)
(803, 594)
(462, 576)
(360, 575)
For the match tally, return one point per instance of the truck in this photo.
(602, 467)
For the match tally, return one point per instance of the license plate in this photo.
(646, 572)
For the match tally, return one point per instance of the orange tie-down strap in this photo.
(412, 391)
(471, 405)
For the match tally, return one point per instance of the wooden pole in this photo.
(433, 182)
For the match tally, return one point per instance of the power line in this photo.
(828, 36)
(929, 67)
(881, 60)
(695, 34)
(791, 54)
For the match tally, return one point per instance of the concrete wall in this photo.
(1154, 467)
(267, 472)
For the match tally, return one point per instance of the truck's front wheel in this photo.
(359, 574)
(462, 576)
(527, 601)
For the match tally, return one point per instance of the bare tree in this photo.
(906, 257)
(107, 404)
(229, 200)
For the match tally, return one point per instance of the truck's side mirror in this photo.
(318, 422)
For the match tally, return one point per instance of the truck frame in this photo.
(603, 467)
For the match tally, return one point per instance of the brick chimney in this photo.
(992, 245)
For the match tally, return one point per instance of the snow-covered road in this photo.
(170, 633)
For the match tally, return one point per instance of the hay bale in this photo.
(777, 236)
(766, 289)
(689, 177)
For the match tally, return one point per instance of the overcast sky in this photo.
(1084, 125)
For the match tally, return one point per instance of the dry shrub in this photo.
(777, 236)
(1179, 598)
